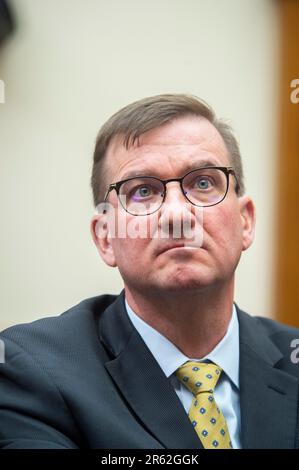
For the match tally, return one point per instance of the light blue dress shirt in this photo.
(225, 354)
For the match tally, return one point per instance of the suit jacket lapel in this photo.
(268, 395)
(142, 382)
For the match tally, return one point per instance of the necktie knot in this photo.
(199, 377)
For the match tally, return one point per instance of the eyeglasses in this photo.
(203, 187)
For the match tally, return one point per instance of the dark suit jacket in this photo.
(86, 379)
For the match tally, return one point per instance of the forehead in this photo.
(180, 142)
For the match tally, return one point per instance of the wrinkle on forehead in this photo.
(181, 139)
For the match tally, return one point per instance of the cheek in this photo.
(130, 238)
(223, 227)
(129, 252)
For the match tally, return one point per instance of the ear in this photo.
(100, 233)
(247, 213)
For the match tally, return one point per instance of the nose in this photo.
(176, 213)
(174, 193)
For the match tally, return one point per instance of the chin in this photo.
(185, 282)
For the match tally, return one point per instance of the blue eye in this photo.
(142, 192)
(203, 183)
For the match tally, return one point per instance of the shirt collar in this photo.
(170, 358)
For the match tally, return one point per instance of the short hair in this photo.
(130, 122)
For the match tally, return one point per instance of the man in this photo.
(172, 362)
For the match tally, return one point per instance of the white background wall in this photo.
(69, 66)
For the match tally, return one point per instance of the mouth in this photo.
(178, 247)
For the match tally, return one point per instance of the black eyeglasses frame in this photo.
(227, 170)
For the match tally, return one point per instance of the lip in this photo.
(173, 247)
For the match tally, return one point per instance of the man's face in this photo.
(227, 228)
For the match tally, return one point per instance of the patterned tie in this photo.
(208, 421)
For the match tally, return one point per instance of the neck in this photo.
(194, 322)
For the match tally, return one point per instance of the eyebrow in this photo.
(189, 167)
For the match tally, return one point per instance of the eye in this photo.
(142, 192)
(203, 182)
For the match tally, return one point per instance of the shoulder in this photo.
(283, 336)
(260, 332)
(62, 335)
(268, 325)
(50, 364)
(274, 328)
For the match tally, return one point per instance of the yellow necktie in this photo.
(207, 419)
